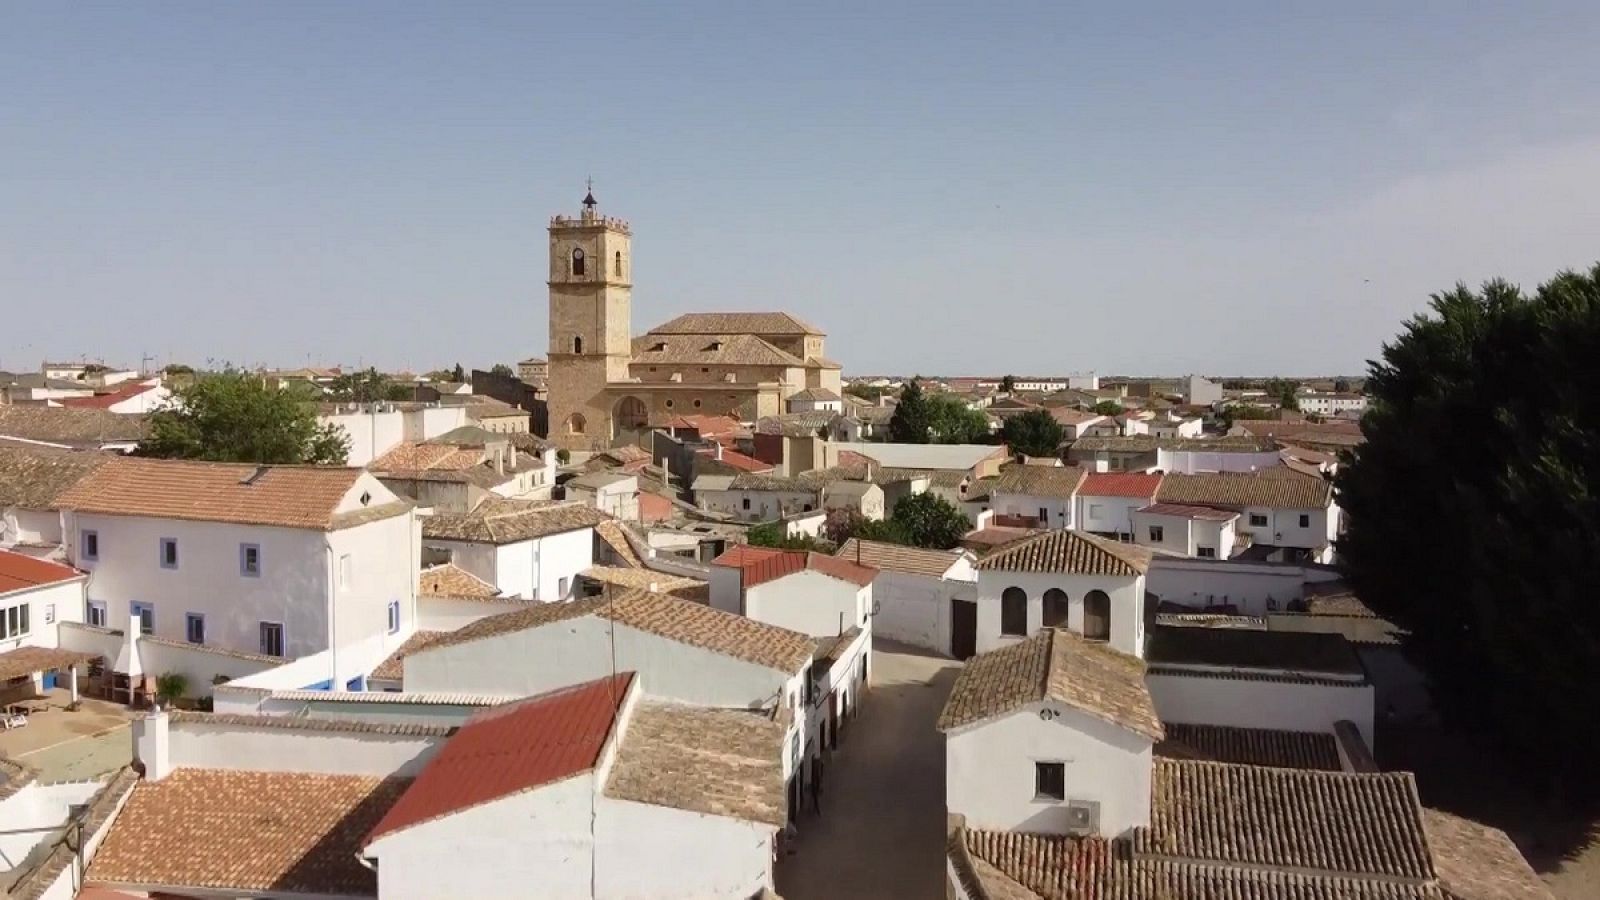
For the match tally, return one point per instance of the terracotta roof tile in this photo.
(70, 427)
(731, 460)
(614, 535)
(500, 521)
(722, 762)
(246, 831)
(297, 723)
(417, 455)
(450, 580)
(1058, 665)
(1071, 552)
(763, 564)
(643, 579)
(897, 558)
(1239, 490)
(710, 350)
(510, 749)
(774, 323)
(19, 572)
(1251, 746)
(1476, 862)
(1205, 513)
(33, 477)
(1120, 484)
(1039, 481)
(109, 399)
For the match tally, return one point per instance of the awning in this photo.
(30, 660)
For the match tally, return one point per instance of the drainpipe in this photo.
(333, 635)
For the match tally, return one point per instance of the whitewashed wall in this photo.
(1115, 514)
(269, 749)
(1061, 511)
(1127, 605)
(1242, 702)
(809, 602)
(47, 607)
(450, 613)
(29, 526)
(1192, 462)
(1253, 587)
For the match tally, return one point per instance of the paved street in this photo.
(881, 834)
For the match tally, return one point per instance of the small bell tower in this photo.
(591, 333)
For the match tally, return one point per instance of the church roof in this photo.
(710, 349)
(731, 323)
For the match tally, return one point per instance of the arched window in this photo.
(1055, 608)
(617, 264)
(577, 345)
(1014, 612)
(577, 261)
(1097, 616)
(576, 424)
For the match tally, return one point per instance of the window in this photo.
(561, 587)
(394, 616)
(194, 628)
(144, 615)
(576, 424)
(272, 638)
(1097, 616)
(577, 261)
(169, 553)
(810, 687)
(1044, 516)
(1097, 510)
(345, 567)
(1014, 612)
(95, 613)
(1157, 533)
(1305, 520)
(250, 560)
(697, 404)
(746, 503)
(1257, 520)
(1049, 781)
(668, 403)
(90, 544)
(1206, 552)
(1055, 608)
(14, 621)
(577, 345)
(616, 264)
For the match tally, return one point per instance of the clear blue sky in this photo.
(944, 188)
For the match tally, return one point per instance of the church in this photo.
(605, 385)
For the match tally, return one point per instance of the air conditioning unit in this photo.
(1083, 817)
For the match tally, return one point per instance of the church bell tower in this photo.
(591, 335)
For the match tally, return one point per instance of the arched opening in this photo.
(630, 415)
(1097, 616)
(616, 266)
(577, 345)
(576, 423)
(577, 261)
(1055, 608)
(1014, 612)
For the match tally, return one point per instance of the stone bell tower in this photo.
(591, 338)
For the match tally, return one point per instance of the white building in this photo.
(1043, 494)
(1175, 427)
(31, 478)
(1199, 531)
(1200, 391)
(816, 399)
(376, 428)
(1076, 422)
(529, 550)
(1051, 735)
(34, 596)
(1343, 405)
(916, 592)
(1278, 508)
(1106, 501)
(1063, 579)
(285, 561)
(135, 398)
(861, 497)
(614, 493)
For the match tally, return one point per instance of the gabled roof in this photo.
(763, 564)
(710, 350)
(1281, 490)
(393, 666)
(1069, 552)
(1316, 751)
(925, 456)
(1039, 481)
(731, 323)
(1054, 664)
(236, 493)
(450, 580)
(502, 521)
(33, 477)
(18, 572)
(70, 427)
(1476, 862)
(898, 558)
(1120, 484)
(106, 401)
(721, 762)
(710, 461)
(1203, 513)
(510, 749)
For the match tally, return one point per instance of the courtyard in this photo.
(70, 745)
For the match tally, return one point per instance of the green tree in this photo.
(864, 391)
(366, 386)
(1283, 391)
(1109, 408)
(178, 369)
(909, 425)
(231, 416)
(459, 375)
(502, 369)
(440, 375)
(1244, 412)
(928, 520)
(1341, 386)
(951, 421)
(171, 686)
(1008, 384)
(1474, 509)
(1034, 433)
(771, 534)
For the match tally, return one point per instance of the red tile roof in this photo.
(1206, 513)
(654, 507)
(18, 572)
(764, 564)
(106, 401)
(1120, 484)
(510, 749)
(736, 460)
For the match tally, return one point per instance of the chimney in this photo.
(869, 468)
(151, 744)
(512, 450)
(719, 451)
(499, 461)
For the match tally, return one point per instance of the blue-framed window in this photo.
(89, 544)
(169, 553)
(144, 616)
(272, 638)
(95, 614)
(394, 616)
(250, 560)
(194, 628)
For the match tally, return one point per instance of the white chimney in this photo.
(127, 662)
(152, 744)
(719, 451)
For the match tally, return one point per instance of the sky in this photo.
(1159, 188)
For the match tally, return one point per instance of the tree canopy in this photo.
(951, 421)
(501, 369)
(909, 425)
(772, 534)
(921, 520)
(1034, 433)
(1008, 384)
(366, 386)
(1109, 408)
(1474, 509)
(231, 416)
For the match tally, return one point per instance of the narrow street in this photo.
(881, 832)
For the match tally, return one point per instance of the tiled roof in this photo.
(763, 564)
(710, 350)
(730, 460)
(1310, 652)
(26, 660)
(685, 621)
(799, 424)
(393, 667)
(298, 723)
(642, 579)
(500, 521)
(1326, 822)
(722, 762)
(33, 477)
(1071, 552)
(409, 456)
(897, 558)
(614, 535)
(510, 749)
(1204, 513)
(14, 776)
(1120, 484)
(814, 394)
(246, 831)
(70, 427)
(450, 580)
(240, 494)
(1067, 415)
(1476, 862)
(729, 323)
(1147, 443)
(107, 400)
(1054, 664)
(1291, 491)
(1039, 481)
(19, 572)
(1317, 751)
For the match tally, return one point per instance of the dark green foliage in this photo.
(1341, 386)
(1474, 510)
(1034, 433)
(1283, 391)
(366, 386)
(1244, 412)
(771, 534)
(459, 375)
(951, 421)
(1109, 408)
(922, 520)
(910, 422)
(178, 369)
(501, 369)
(1008, 384)
(864, 391)
(231, 416)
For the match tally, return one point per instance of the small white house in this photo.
(1063, 579)
(1278, 507)
(614, 493)
(815, 400)
(1332, 403)
(31, 478)
(915, 591)
(134, 398)
(1198, 531)
(35, 595)
(861, 497)
(376, 428)
(1051, 735)
(529, 550)
(1106, 501)
(808, 592)
(1044, 494)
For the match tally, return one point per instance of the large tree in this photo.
(366, 386)
(929, 520)
(1034, 433)
(1474, 509)
(952, 421)
(231, 416)
(909, 425)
